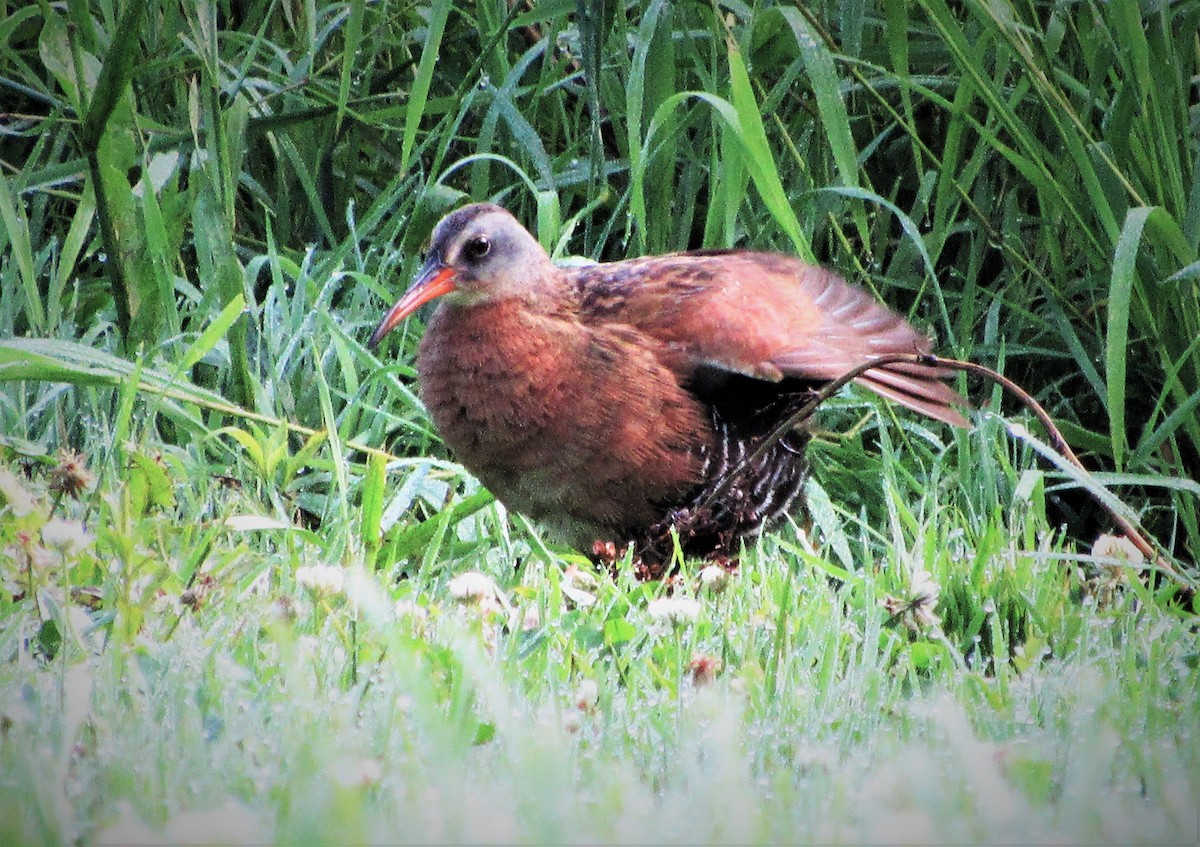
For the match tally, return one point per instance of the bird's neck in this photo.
(538, 300)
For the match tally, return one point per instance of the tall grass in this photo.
(1016, 176)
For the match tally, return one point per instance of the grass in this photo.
(244, 621)
(234, 699)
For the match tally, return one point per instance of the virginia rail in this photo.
(610, 401)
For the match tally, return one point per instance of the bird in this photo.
(632, 403)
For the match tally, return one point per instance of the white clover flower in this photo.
(322, 580)
(572, 721)
(19, 500)
(489, 631)
(531, 618)
(674, 610)
(358, 773)
(587, 695)
(579, 578)
(714, 579)
(473, 587)
(409, 608)
(494, 609)
(40, 559)
(1114, 553)
(579, 586)
(1117, 547)
(65, 536)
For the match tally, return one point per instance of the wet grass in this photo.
(245, 619)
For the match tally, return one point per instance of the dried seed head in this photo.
(606, 552)
(71, 475)
(704, 668)
(917, 611)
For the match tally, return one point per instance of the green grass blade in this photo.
(212, 334)
(419, 94)
(329, 418)
(115, 75)
(371, 511)
(635, 105)
(1120, 295)
(744, 118)
(353, 34)
(835, 121)
(16, 231)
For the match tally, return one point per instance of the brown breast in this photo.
(579, 426)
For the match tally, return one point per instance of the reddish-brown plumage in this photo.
(526, 402)
(610, 401)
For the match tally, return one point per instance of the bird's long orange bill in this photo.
(434, 280)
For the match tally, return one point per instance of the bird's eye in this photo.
(477, 248)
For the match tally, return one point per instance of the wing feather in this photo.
(766, 316)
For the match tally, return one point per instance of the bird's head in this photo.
(477, 254)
